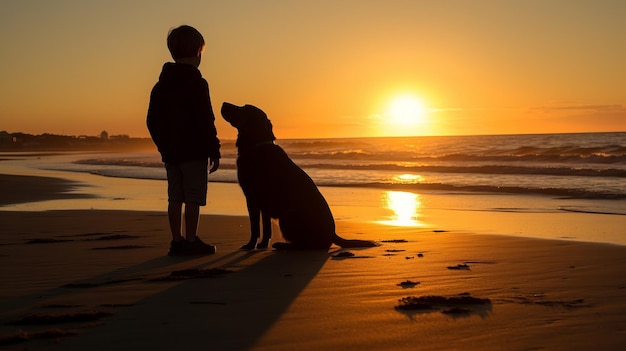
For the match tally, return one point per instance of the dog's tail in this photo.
(347, 243)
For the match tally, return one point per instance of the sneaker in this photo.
(177, 248)
(199, 247)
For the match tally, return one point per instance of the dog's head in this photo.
(251, 122)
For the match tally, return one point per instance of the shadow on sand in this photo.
(224, 312)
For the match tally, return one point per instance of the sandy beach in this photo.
(100, 280)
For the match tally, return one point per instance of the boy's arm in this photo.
(213, 142)
(152, 121)
(215, 164)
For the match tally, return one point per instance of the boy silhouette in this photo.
(182, 125)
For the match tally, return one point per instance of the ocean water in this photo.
(591, 165)
(557, 186)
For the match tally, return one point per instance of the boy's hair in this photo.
(184, 41)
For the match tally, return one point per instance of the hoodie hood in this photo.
(179, 72)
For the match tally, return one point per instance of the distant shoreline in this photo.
(57, 142)
(126, 145)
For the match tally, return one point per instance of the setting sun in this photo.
(405, 114)
(406, 110)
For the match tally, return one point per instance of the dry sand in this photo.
(100, 280)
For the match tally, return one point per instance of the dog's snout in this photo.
(227, 110)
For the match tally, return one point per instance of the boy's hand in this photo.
(215, 164)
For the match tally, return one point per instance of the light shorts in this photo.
(187, 181)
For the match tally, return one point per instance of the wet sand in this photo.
(100, 280)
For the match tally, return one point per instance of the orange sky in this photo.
(322, 68)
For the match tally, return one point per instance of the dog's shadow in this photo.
(239, 308)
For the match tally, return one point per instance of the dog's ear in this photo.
(261, 120)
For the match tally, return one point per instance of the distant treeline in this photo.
(23, 141)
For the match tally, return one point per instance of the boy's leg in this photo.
(174, 214)
(177, 246)
(192, 216)
(195, 246)
(175, 197)
(194, 175)
(195, 179)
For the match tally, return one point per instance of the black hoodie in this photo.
(180, 116)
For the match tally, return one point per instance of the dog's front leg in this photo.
(267, 230)
(254, 213)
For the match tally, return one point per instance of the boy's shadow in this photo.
(226, 312)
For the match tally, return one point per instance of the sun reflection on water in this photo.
(405, 208)
(408, 178)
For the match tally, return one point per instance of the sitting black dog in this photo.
(276, 187)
